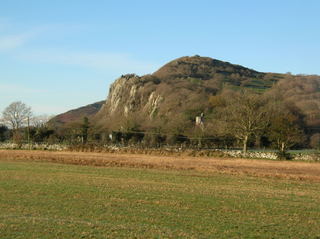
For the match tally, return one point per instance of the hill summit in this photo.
(204, 68)
(177, 90)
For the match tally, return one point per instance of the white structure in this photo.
(199, 121)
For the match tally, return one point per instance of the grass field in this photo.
(40, 199)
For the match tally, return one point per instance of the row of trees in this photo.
(234, 119)
(247, 116)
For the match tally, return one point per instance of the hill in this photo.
(177, 92)
(168, 100)
(76, 114)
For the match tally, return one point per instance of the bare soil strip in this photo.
(264, 168)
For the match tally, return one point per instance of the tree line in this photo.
(240, 119)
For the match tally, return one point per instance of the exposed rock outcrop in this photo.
(176, 89)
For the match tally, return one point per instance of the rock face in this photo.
(182, 86)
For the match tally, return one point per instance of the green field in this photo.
(45, 200)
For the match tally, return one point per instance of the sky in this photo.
(59, 55)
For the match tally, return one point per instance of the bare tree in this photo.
(40, 120)
(16, 115)
(243, 115)
(284, 130)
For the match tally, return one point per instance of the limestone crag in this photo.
(178, 87)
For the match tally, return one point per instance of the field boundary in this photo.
(261, 168)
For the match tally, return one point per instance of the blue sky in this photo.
(59, 55)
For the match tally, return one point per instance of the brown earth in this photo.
(262, 168)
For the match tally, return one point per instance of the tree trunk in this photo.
(199, 143)
(28, 122)
(283, 147)
(245, 143)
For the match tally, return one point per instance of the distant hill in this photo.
(76, 114)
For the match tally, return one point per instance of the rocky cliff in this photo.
(178, 90)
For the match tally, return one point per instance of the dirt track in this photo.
(264, 168)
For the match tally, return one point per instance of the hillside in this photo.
(303, 91)
(76, 114)
(177, 92)
(169, 99)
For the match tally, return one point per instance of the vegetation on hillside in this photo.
(75, 115)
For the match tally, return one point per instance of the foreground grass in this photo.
(45, 200)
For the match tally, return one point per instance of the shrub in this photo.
(283, 155)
